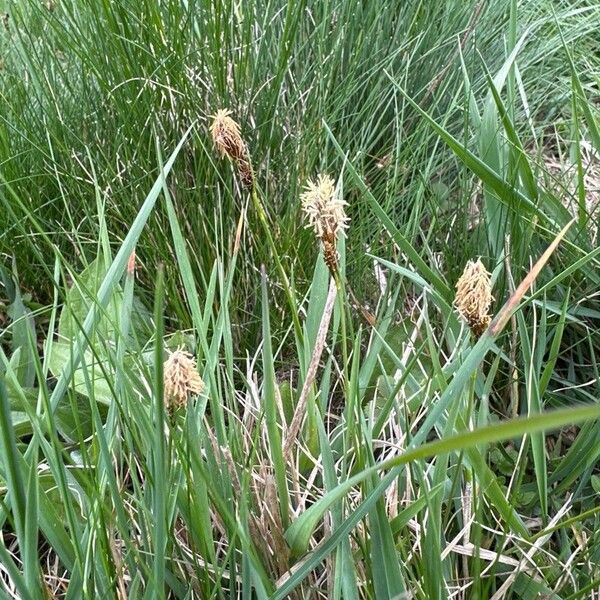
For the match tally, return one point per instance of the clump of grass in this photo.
(315, 456)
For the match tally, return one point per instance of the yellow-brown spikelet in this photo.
(181, 378)
(227, 137)
(474, 296)
(246, 173)
(325, 212)
(329, 253)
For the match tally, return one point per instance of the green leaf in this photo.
(159, 464)
(90, 378)
(80, 299)
(24, 338)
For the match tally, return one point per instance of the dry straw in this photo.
(181, 378)
(474, 296)
(228, 141)
(326, 215)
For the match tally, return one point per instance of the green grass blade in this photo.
(159, 466)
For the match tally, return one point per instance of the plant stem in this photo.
(258, 207)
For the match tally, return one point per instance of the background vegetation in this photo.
(454, 130)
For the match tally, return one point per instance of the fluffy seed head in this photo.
(227, 137)
(324, 209)
(474, 296)
(180, 378)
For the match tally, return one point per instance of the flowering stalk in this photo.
(326, 215)
(229, 143)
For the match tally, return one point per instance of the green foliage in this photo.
(427, 461)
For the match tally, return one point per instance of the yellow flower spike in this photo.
(474, 296)
(181, 378)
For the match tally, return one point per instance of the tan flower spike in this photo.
(323, 208)
(325, 212)
(181, 378)
(474, 296)
(227, 137)
(228, 141)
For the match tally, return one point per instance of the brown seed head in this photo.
(246, 173)
(324, 209)
(227, 137)
(181, 378)
(474, 296)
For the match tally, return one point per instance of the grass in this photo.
(428, 463)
